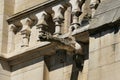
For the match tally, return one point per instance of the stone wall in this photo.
(104, 55)
(21, 5)
(29, 70)
(5, 73)
(6, 10)
(49, 68)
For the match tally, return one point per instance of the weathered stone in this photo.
(102, 19)
(117, 52)
(117, 35)
(111, 69)
(94, 74)
(107, 38)
(33, 71)
(94, 59)
(4, 70)
(107, 6)
(100, 63)
(107, 55)
(21, 5)
(59, 76)
(95, 42)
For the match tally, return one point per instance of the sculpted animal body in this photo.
(69, 43)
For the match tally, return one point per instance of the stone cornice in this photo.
(111, 25)
(48, 48)
(34, 9)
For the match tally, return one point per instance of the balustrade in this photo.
(57, 12)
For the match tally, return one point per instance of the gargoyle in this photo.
(69, 44)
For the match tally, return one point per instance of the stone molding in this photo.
(38, 51)
(33, 10)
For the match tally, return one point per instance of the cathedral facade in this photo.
(59, 39)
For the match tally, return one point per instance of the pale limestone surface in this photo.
(96, 41)
(21, 5)
(94, 74)
(33, 71)
(104, 61)
(103, 73)
(6, 10)
(117, 52)
(104, 49)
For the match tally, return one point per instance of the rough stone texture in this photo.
(67, 20)
(107, 12)
(104, 61)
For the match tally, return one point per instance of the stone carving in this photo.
(70, 44)
(93, 5)
(41, 21)
(12, 30)
(25, 32)
(76, 11)
(58, 18)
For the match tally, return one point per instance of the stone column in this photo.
(41, 22)
(67, 21)
(93, 6)
(75, 12)
(11, 37)
(58, 18)
(25, 32)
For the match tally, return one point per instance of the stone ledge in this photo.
(104, 27)
(33, 10)
(46, 49)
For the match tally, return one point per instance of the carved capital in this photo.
(75, 12)
(75, 7)
(26, 26)
(58, 18)
(41, 18)
(12, 27)
(58, 13)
